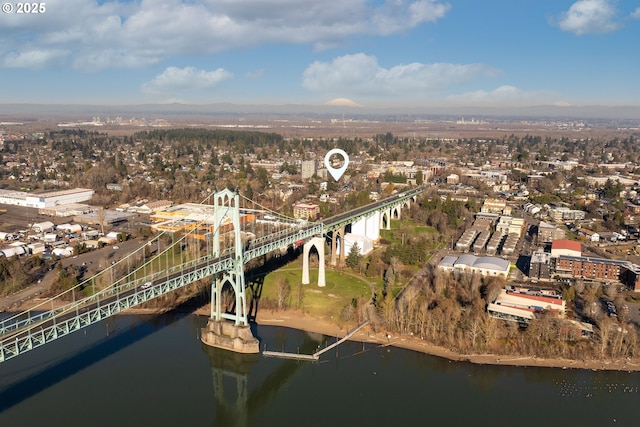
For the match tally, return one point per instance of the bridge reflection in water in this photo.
(237, 397)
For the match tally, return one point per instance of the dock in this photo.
(284, 355)
(315, 356)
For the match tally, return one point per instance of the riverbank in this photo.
(305, 322)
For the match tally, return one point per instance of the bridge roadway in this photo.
(337, 221)
(36, 330)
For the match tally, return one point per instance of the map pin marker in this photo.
(336, 173)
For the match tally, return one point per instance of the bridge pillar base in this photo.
(229, 336)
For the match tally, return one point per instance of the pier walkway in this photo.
(315, 356)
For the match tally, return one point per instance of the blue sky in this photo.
(375, 53)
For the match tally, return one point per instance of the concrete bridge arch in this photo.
(318, 243)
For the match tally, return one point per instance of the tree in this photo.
(300, 296)
(283, 290)
(612, 189)
(389, 280)
(354, 257)
(262, 177)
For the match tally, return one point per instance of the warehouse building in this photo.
(485, 266)
(45, 200)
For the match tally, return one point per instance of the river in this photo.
(150, 370)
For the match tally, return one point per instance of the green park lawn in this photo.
(328, 301)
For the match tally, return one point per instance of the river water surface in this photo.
(136, 370)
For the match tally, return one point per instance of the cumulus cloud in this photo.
(177, 80)
(361, 75)
(116, 34)
(590, 17)
(636, 14)
(503, 95)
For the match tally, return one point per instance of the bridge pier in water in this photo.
(220, 332)
(229, 336)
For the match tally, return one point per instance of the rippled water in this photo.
(153, 370)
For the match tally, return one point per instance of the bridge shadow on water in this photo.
(114, 342)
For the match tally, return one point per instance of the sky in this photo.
(382, 53)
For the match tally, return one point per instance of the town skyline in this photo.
(365, 54)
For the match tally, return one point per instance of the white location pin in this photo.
(336, 173)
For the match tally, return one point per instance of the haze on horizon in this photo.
(364, 53)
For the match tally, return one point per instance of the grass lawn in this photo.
(329, 301)
(408, 227)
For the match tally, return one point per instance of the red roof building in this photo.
(566, 247)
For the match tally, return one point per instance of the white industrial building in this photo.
(45, 200)
(485, 266)
(43, 227)
(14, 250)
(64, 252)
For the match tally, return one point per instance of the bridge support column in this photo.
(218, 332)
(385, 220)
(318, 242)
(372, 229)
(335, 257)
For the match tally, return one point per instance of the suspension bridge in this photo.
(213, 243)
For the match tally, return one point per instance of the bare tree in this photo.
(604, 334)
(283, 290)
(299, 296)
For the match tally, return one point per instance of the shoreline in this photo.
(305, 322)
(308, 323)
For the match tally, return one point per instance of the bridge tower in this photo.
(234, 336)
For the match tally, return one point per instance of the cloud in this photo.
(177, 80)
(635, 14)
(360, 75)
(36, 58)
(396, 16)
(590, 17)
(117, 34)
(503, 95)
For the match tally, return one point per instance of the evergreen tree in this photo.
(354, 257)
